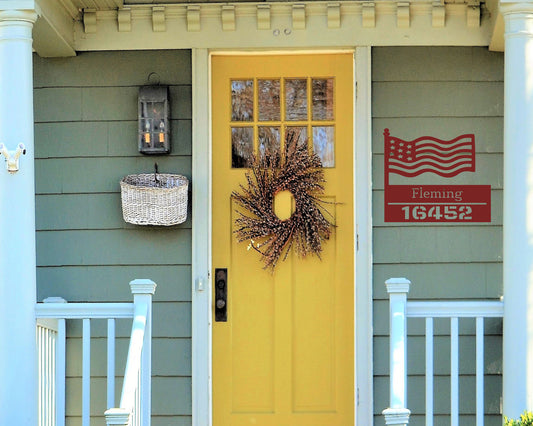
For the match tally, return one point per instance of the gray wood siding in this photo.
(85, 142)
(441, 92)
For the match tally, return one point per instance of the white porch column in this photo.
(18, 356)
(518, 209)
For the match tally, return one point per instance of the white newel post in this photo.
(518, 209)
(143, 291)
(397, 413)
(18, 353)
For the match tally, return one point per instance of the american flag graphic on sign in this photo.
(429, 155)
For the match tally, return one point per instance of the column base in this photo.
(396, 416)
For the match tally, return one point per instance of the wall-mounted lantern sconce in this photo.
(154, 124)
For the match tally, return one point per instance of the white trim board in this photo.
(201, 238)
(202, 233)
(363, 229)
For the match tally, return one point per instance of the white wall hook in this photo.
(12, 157)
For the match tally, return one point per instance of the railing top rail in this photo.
(84, 310)
(453, 309)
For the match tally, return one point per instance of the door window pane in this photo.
(269, 100)
(242, 146)
(323, 144)
(242, 100)
(298, 133)
(296, 99)
(322, 91)
(269, 142)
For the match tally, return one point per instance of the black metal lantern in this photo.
(154, 125)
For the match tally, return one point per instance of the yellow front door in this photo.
(285, 354)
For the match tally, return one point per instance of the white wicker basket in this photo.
(147, 201)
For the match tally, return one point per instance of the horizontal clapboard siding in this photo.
(85, 142)
(94, 175)
(102, 139)
(441, 92)
(106, 283)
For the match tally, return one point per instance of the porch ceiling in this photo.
(68, 26)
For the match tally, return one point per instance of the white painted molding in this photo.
(124, 20)
(403, 16)
(473, 14)
(298, 16)
(369, 15)
(438, 15)
(159, 19)
(89, 21)
(263, 16)
(293, 26)
(228, 17)
(334, 15)
(193, 18)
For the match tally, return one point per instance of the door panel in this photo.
(285, 355)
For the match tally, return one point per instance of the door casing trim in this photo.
(201, 298)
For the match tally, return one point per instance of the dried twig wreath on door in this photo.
(299, 172)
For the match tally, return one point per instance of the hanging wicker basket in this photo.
(154, 199)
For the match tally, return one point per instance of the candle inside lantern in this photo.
(147, 137)
(162, 132)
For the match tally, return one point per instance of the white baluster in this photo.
(110, 363)
(480, 373)
(61, 363)
(429, 371)
(454, 373)
(86, 373)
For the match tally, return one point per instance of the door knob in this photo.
(221, 294)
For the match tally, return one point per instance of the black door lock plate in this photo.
(221, 294)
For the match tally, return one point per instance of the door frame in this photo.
(201, 298)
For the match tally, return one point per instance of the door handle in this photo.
(221, 294)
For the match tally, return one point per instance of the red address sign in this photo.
(437, 203)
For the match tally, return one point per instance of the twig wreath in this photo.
(299, 172)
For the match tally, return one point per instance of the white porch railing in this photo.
(135, 404)
(400, 309)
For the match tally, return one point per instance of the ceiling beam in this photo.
(53, 33)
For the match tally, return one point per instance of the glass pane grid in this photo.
(264, 109)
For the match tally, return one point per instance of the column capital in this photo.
(18, 10)
(514, 6)
(18, 15)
